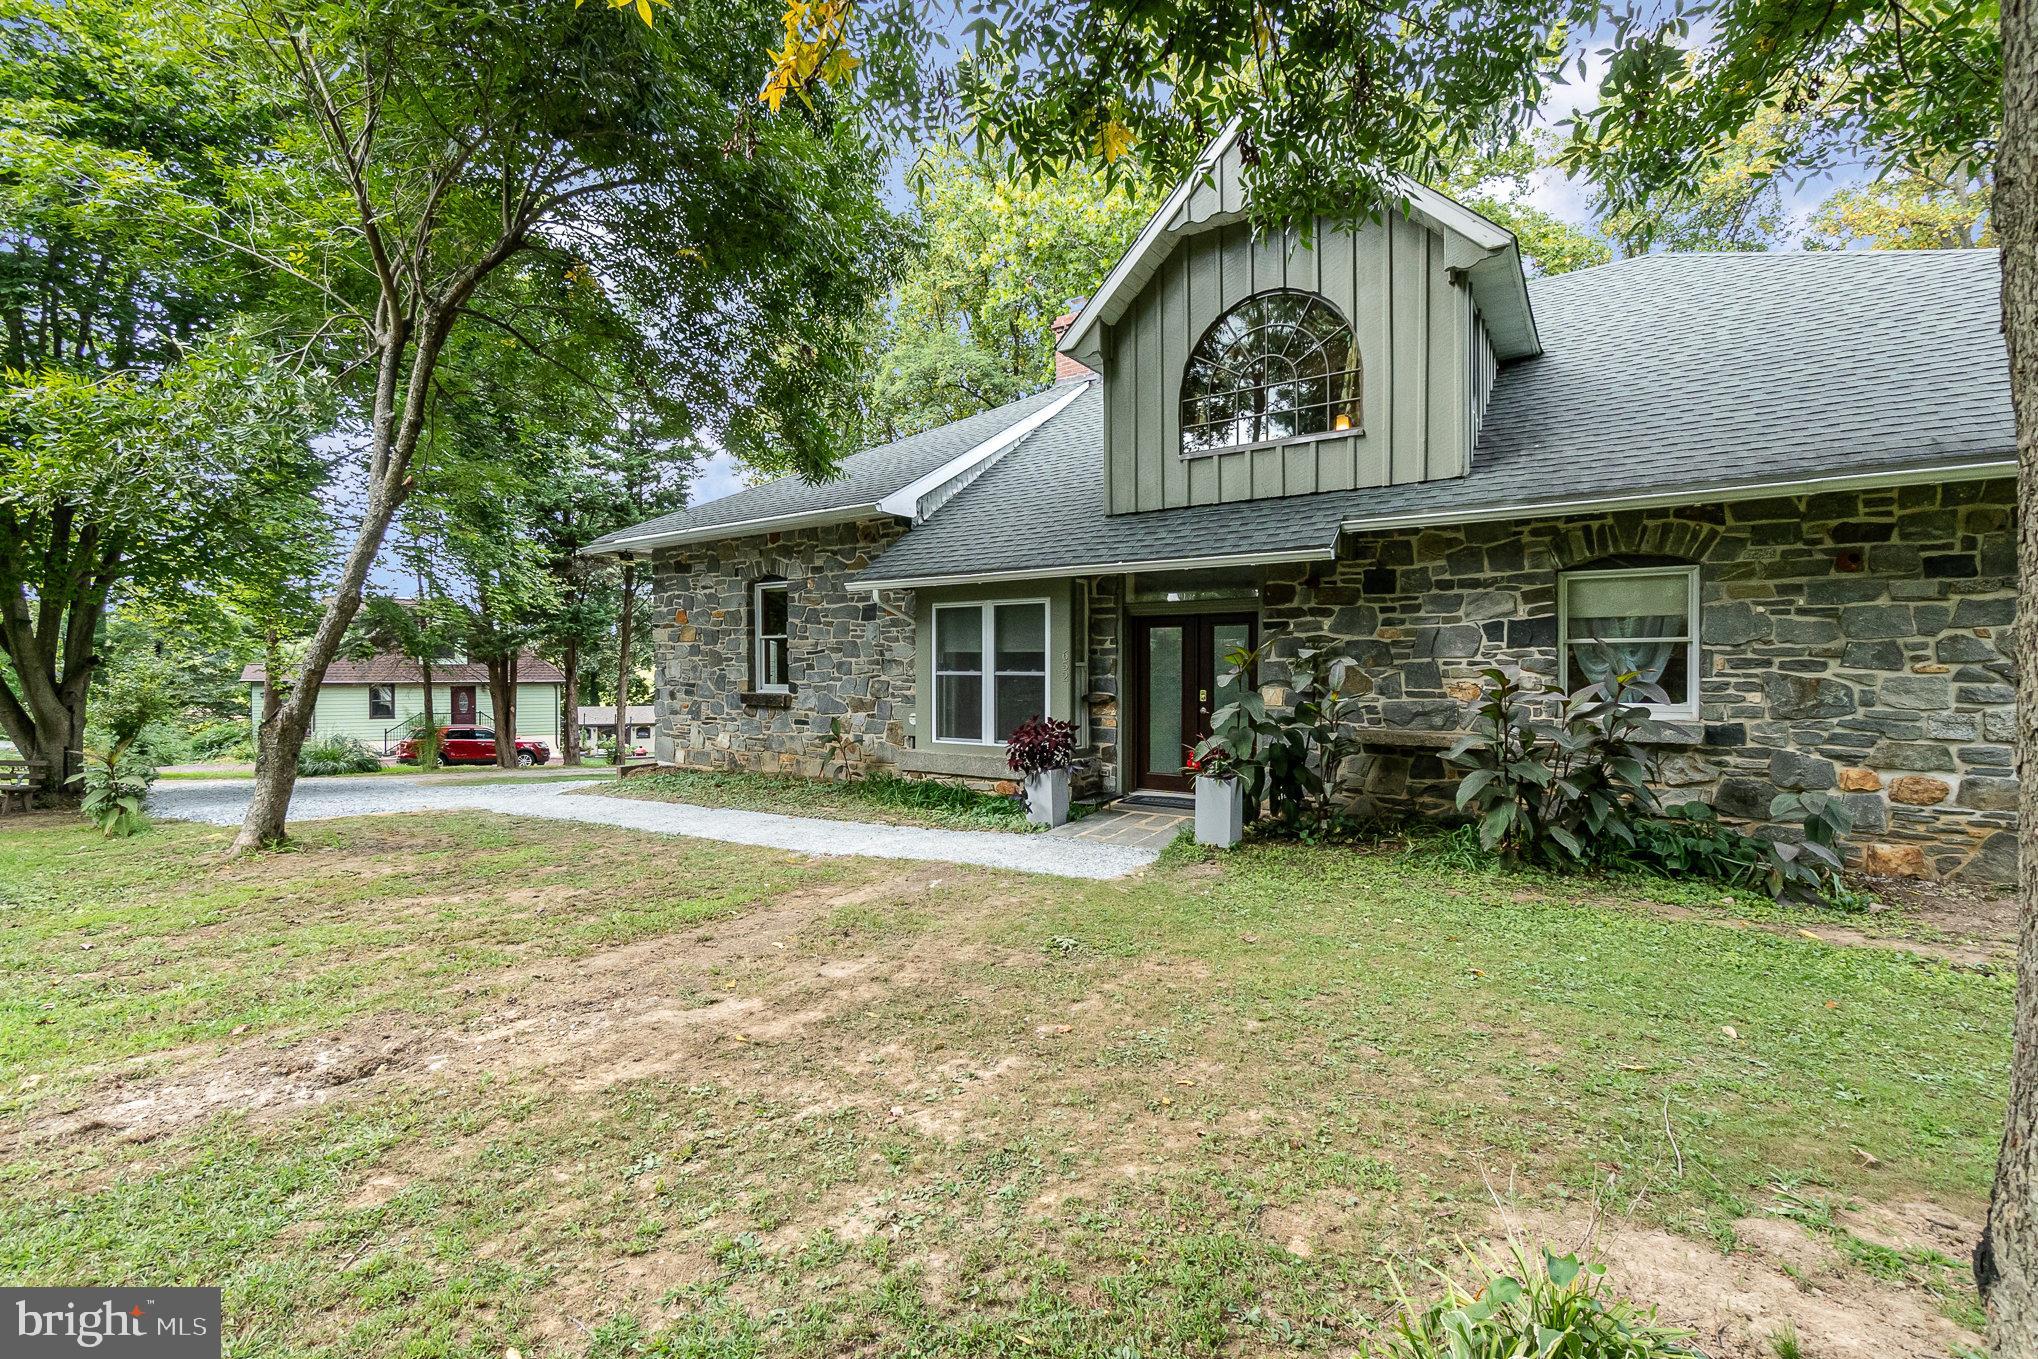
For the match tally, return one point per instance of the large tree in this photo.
(970, 326)
(111, 480)
(1334, 100)
(398, 200)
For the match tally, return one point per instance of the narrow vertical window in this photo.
(1021, 657)
(959, 673)
(768, 610)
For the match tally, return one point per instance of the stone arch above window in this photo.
(1279, 365)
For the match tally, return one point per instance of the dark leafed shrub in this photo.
(1040, 744)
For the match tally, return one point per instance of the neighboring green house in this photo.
(374, 700)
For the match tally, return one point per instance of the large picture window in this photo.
(1277, 366)
(1640, 620)
(769, 623)
(990, 669)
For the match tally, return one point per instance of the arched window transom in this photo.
(1279, 365)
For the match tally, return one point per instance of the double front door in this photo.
(1178, 665)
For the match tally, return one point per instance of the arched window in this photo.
(1277, 366)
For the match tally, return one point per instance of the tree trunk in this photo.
(501, 697)
(569, 730)
(281, 736)
(428, 739)
(2006, 1261)
(623, 659)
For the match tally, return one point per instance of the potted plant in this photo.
(1220, 795)
(1042, 749)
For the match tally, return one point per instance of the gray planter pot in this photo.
(1047, 797)
(1220, 812)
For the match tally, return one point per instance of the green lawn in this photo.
(440, 1086)
(883, 798)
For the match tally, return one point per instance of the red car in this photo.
(474, 745)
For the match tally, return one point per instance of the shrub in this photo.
(1040, 744)
(116, 791)
(1574, 793)
(118, 771)
(335, 755)
(1289, 756)
(1565, 794)
(1556, 1308)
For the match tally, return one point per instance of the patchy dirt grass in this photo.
(445, 1086)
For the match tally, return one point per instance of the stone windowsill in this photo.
(765, 700)
(1406, 738)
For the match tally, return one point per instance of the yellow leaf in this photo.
(1114, 139)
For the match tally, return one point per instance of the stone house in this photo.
(1780, 485)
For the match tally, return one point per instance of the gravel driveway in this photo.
(221, 802)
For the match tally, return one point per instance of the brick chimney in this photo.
(1064, 366)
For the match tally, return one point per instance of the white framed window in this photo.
(990, 669)
(769, 631)
(382, 702)
(1640, 619)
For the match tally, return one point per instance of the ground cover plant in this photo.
(879, 796)
(326, 755)
(448, 1085)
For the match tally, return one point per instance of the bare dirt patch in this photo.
(1778, 1276)
(715, 999)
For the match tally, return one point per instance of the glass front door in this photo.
(1179, 666)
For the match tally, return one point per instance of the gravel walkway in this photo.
(221, 802)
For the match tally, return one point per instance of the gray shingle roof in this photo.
(867, 477)
(1660, 374)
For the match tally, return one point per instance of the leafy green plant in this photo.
(335, 755)
(1288, 756)
(116, 791)
(118, 770)
(842, 746)
(1574, 793)
(1688, 838)
(1568, 793)
(1554, 1308)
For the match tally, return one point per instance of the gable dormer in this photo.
(1242, 367)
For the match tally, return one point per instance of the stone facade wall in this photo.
(1104, 692)
(1854, 641)
(848, 655)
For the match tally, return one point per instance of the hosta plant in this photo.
(335, 755)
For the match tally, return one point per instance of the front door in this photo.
(463, 703)
(1177, 664)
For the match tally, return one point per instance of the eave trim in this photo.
(1105, 568)
(1721, 491)
(735, 528)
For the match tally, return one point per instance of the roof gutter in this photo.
(1752, 490)
(1107, 568)
(736, 528)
